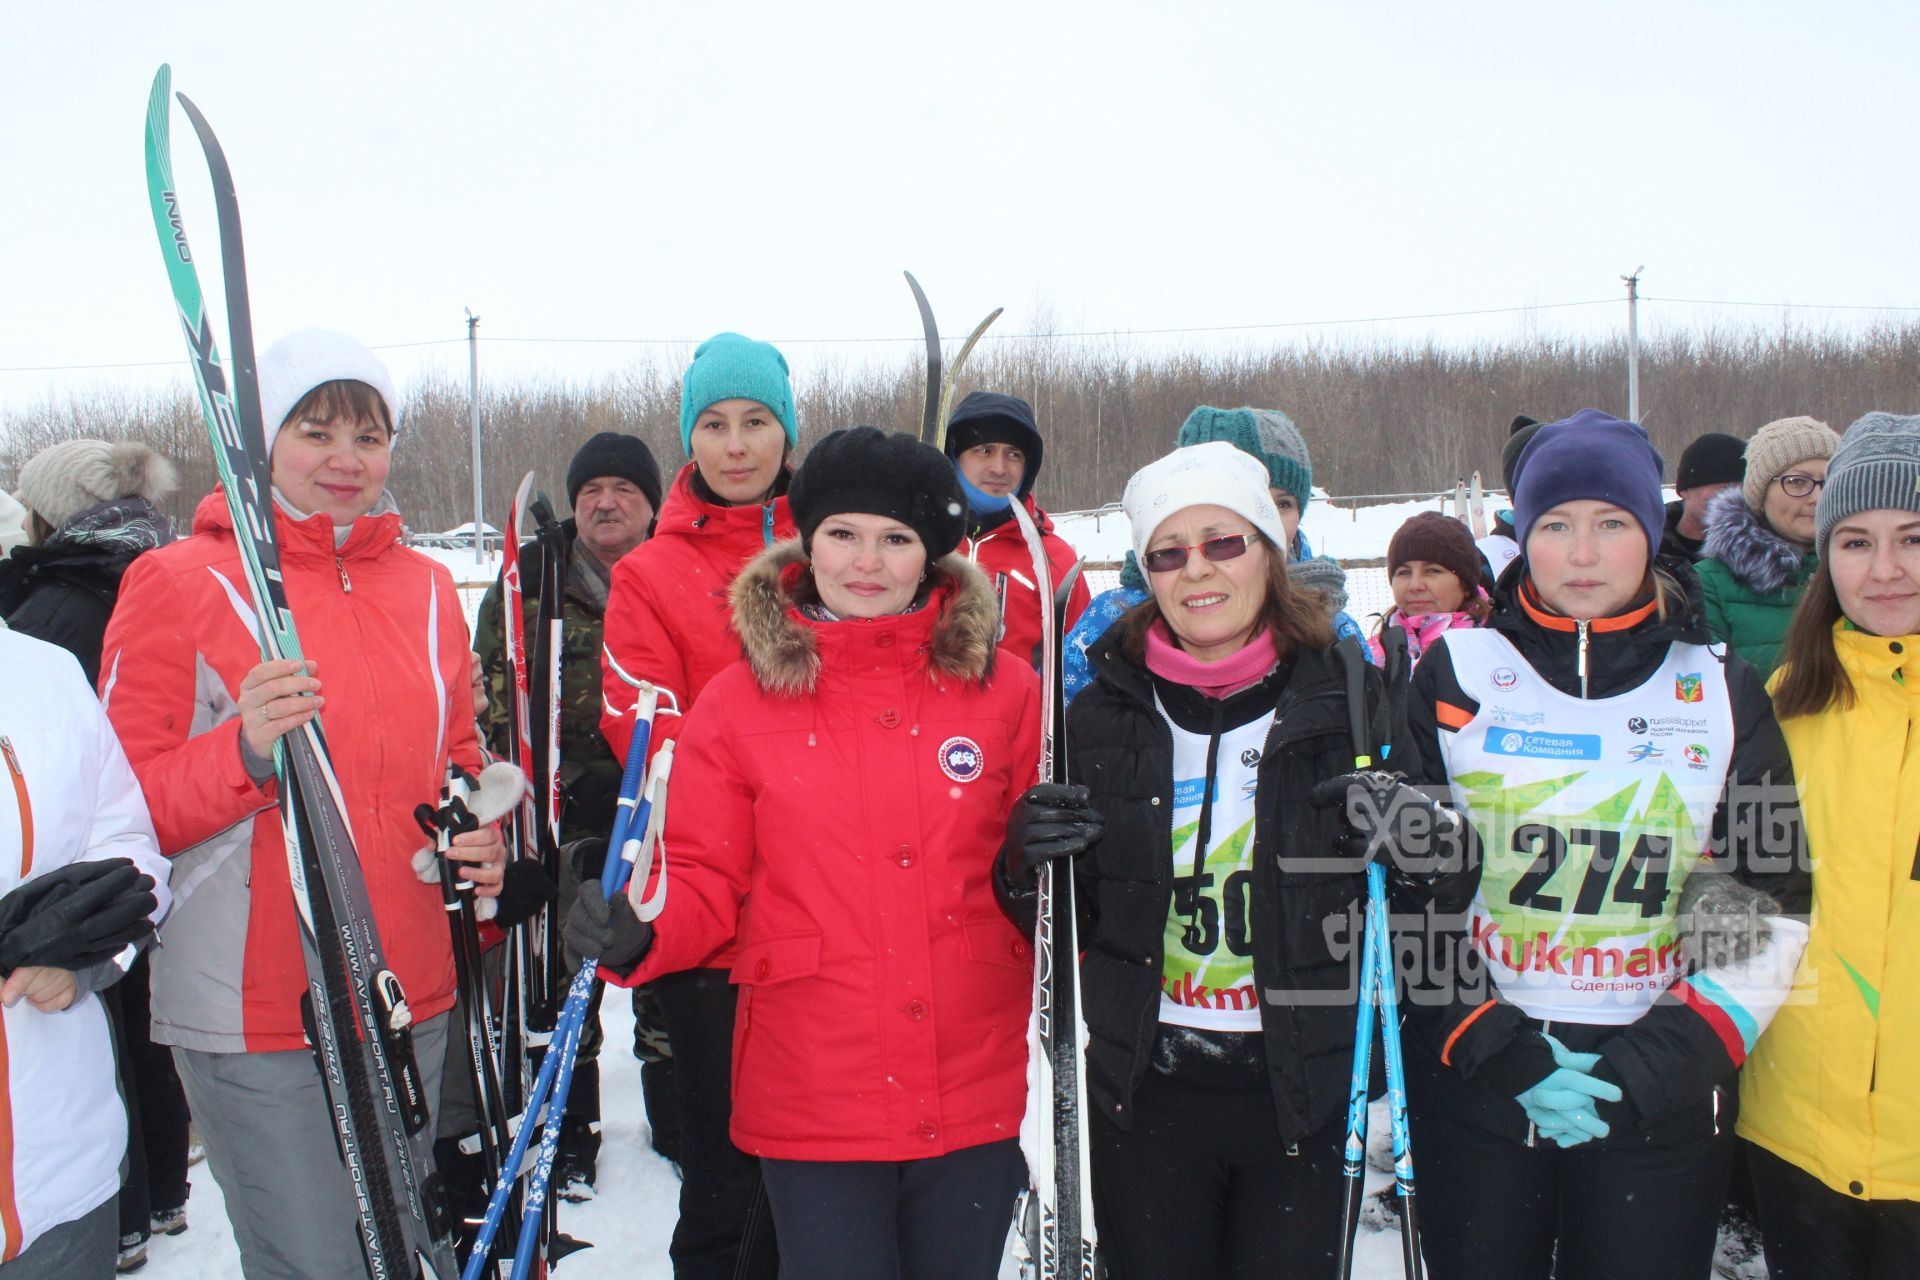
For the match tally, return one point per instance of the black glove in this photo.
(609, 932)
(525, 888)
(1050, 821)
(1393, 822)
(76, 916)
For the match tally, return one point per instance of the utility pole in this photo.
(1633, 344)
(473, 417)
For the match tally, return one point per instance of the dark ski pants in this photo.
(724, 1231)
(1495, 1209)
(271, 1147)
(942, 1218)
(1202, 1185)
(84, 1249)
(1811, 1232)
(156, 1180)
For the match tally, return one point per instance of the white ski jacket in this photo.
(68, 794)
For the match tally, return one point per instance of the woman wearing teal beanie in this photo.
(1269, 436)
(668, 622)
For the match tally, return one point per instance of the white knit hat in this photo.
(65, 479)
(302, 360)
(1211, 474)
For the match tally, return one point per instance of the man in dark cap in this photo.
(613, 486)
(996, 448)
(1500, 548)
(1711, 463)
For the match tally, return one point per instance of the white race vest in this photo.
(1592, 812)
(1206, 972)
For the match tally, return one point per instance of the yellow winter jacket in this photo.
(1833, 1086)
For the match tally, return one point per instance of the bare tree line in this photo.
(1380, 417)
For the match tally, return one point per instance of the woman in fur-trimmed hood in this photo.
(856, 778)
(1759, 548)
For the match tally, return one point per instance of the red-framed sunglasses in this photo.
(1168, 559)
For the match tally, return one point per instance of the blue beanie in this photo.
(730, 367)
(1591, 455)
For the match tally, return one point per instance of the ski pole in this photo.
(456, 894)
(650, 817)
(1353, 1163)
(1377, 994)
(550, 1064)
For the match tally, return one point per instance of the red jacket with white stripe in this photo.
(853, 780)
(386, 629)
(667, 619)
(1001, 550)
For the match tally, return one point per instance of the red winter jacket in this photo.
(385, 626)
(854, 780)
(667, 618)
(1001, 549)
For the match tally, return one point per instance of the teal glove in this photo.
(1561, 1106)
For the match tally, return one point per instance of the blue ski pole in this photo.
(549, 1068)
(613, 880)
(1377, 997)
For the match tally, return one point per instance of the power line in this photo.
(1032, 337)
(1782, 306)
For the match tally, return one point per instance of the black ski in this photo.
(940, 386)
(356, 1009)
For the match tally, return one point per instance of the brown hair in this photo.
(1813, 678)
(341, 398)
(1298, 619)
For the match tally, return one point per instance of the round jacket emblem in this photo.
(961, 759)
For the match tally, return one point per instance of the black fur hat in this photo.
(878, 473)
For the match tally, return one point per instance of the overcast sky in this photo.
(574, 170)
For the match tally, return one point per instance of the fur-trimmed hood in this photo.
(1758, 558)
(783, 648)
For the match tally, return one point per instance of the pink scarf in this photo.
(1229, 675)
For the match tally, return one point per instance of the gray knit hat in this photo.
(65, 479)
(1876, 466)
(1322, 574)
(1779, 445)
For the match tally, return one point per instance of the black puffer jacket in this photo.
(63, 591)
(1672, 1065)
(1299, 917)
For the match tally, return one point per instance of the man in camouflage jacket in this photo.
(613, 486)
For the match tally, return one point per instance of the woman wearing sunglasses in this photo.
(1759, 549)
(1217, 980)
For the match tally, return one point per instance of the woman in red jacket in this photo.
(667, 623)
(198, 713)
(855, 778)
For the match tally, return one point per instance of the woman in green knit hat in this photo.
(1760, 539)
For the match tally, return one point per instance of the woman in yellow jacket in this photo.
(1831, 1096)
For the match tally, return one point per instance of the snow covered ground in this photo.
(629, 1224)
